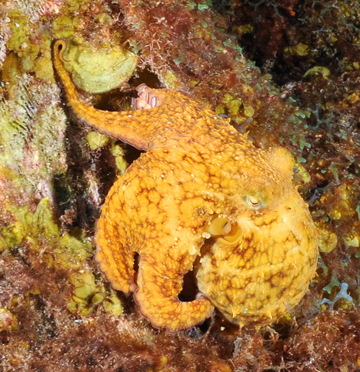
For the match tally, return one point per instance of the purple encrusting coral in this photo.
(57, 312)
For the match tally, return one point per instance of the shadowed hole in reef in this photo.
(4, 337)
(147, 77)
(190, 289)
(130, 152)
(120, 99)
(62, 192)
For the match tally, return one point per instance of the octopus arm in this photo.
(154, 108)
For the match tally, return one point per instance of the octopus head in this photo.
(262, 253)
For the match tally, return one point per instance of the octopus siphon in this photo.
(201, 198)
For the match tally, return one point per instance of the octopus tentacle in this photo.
(157, 297)
(138, 128)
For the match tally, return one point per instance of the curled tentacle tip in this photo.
(61, 45)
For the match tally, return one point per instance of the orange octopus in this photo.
(201, 198)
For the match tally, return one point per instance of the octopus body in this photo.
(200, 198)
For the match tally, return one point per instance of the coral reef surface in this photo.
(285, 72)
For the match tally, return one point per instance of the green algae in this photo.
(302, 173)
(299, 49)
(39, 232)
(298, 139)
(352, 241)
(318, 70)
(24, 54)
(87, 294)
(327, 240)
(112, 304)
(170, 79)
(21, 52)
(22, 46)
(119, 155)
(229, 105)
(38, 229)
(14, 232)
(11, 68)
(96, 140)
(98, 70)
(249, 111)
(63, 27)
(72, 252)
(31, 112)
(20, 28)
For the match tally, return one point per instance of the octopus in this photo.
(201, 198)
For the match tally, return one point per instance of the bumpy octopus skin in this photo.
(200, 198)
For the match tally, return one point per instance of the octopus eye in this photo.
(253, 202)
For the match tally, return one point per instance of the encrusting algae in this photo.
(202, 197)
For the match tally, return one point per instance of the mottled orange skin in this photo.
(202, 197)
